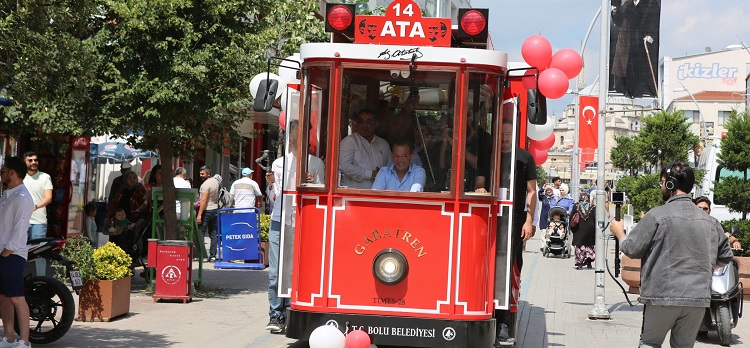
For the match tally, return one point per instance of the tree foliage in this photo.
(665, 137)
(625, 155)
(170, 75)
(735, 156)
(48, 66)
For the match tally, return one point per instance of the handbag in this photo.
(576, 218)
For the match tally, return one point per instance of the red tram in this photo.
(422, 269)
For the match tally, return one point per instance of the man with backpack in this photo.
(209, 200)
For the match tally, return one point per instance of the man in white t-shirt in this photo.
(244, 191)
(180, 182)
(39, 185)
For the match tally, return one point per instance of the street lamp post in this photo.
(704, 137)
(575, 175)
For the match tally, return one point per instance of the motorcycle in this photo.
(726, 301)
(51, 304)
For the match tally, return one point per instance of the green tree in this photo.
(177, 71)
(735, 156)
(625, 155)
(665, 137)
(48, 66)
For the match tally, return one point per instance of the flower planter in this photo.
(743, 263)
(264, 252)
(104, 300)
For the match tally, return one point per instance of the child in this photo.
(556, 226)
(120, 223)
(90, 225)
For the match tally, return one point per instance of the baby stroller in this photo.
(555, 237)
(134, 242)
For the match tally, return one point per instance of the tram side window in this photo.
(392, 140)
(480, 132)
(314, 133)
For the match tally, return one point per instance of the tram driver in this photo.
(363, 153)
(402, 174)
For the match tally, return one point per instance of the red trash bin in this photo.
(174, 270)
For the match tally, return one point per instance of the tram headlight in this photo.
(390, 266)
(395, 74)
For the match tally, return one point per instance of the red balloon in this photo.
(545, 144)
(553, 83)
(357, 339)
(537, 51)
(540, 156)
(567, 60)
(529, 82)
(282, 120)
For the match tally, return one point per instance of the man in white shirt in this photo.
(244, 191)
(16, 206)
(363, 153)
(180, 182)
(39, 184)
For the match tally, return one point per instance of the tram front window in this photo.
(394, 127)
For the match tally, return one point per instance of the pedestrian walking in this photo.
(583, 226)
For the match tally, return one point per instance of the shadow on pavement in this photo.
(532, 327)
(81, 336)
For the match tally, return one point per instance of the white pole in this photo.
(599, 310)
(575, 175)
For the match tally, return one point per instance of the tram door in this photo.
(312, 134)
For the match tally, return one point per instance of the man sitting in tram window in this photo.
(363, 153)
(402, 174)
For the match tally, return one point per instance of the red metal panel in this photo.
(174, 269)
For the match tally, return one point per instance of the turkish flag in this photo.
(585, 158)
(588, 122)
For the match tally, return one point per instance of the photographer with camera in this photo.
(679, 247)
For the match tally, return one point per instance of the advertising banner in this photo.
(634, 48)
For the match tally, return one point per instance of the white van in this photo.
(714, 172)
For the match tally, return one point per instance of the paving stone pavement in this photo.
(555, 302)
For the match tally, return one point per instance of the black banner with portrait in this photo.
(634, 48)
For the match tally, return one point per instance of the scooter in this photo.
(51, 304)
(726, 301)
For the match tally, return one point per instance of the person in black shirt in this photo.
(524, 204)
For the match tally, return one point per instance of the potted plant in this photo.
(106, 289)
(265, 224)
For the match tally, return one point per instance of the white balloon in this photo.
(288, 70)
(326, 336)
(255, 83)
(540, 132)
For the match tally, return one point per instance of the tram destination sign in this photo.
(403, 24)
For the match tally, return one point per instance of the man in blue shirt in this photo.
(401, 175)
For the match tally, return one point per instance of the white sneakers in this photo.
(18, 343)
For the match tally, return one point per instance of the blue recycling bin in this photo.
(239, 239)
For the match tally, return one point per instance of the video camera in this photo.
(618, 197)
(265, 160)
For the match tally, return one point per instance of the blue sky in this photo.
(687, 27)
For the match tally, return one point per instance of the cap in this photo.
(247, 171)
(126, 165)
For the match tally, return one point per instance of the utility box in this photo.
(174, 269)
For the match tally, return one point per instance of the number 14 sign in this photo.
(403, 24)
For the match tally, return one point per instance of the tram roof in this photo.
(392, 53)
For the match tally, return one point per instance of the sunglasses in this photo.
(705, 208)
(32, 160)
(369, 122)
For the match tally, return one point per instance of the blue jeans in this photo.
(277, 304)
(209, 226)
(37, 231)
